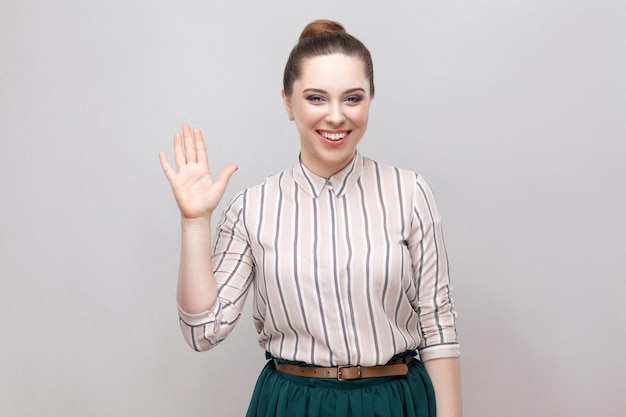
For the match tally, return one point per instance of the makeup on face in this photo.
(330, 106)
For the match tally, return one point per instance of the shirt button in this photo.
(211, 314)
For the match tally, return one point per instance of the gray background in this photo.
(515, 111)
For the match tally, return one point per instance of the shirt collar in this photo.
(341, 182)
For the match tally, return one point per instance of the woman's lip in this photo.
(336, 142)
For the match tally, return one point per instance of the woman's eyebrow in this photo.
(320, 91)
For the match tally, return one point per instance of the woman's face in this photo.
(330, 105)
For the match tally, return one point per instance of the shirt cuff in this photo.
(450, 350)
(200, 319)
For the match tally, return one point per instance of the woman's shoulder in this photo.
(268, 184)
(381, 169)
(409, 183)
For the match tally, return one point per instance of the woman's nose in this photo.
(335, 114)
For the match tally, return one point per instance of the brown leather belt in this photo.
(347, 372)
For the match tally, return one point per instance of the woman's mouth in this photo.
(334, 136)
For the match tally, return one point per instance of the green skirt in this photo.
(282, 395)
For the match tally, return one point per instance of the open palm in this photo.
(196, 192)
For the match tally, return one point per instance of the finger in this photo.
(167, 168)
(179, 153)
(190, 148)
(226, 173)
(201, 153)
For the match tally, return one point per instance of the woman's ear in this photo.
(287, 104)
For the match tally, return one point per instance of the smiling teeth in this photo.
(334, 136)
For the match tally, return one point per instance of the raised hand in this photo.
(196, 192)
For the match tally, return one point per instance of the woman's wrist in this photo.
(193, 222)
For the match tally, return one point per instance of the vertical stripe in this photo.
(277, 277)
(348, 273)
(335, 268)
(368, 277)
(296, 280)
(381, 202)
(263, 251)
(318, 276)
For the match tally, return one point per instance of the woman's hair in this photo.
(325, 37)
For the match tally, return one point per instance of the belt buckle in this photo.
(340, 367)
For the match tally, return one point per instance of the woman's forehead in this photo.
(333, 71)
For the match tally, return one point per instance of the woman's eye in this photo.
(315, 99)
(353, 99)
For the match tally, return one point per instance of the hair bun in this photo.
(317, 27)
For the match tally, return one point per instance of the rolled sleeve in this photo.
(200, 329)
(451, 350)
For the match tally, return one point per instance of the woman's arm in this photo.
(196, 291)
(197, 196)
(445, 373)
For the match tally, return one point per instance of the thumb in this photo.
(226, 173)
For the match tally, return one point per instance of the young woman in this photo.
(344, 257)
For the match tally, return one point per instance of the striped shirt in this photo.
(346, 270)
